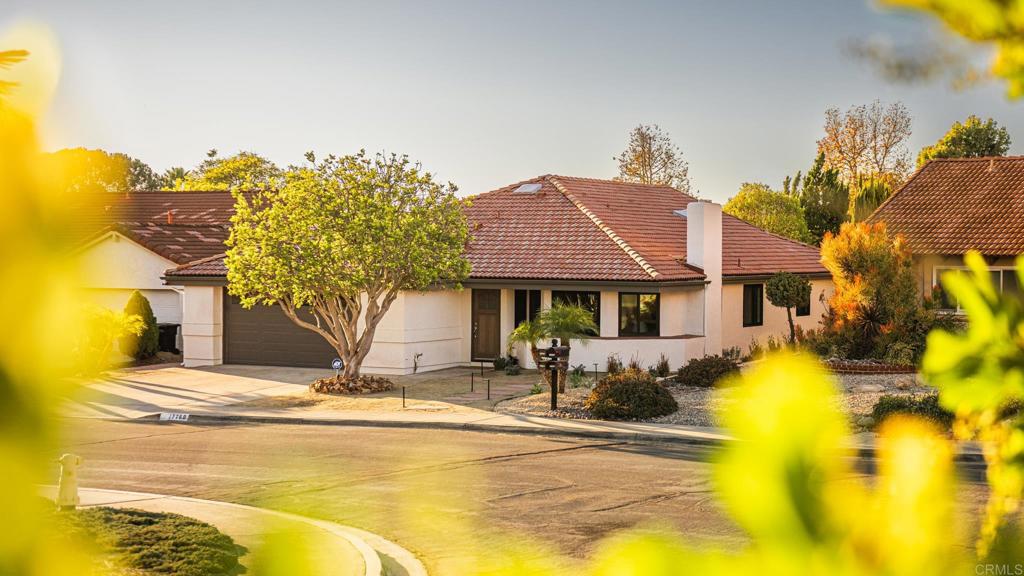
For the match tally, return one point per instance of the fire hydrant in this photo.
(67, 489)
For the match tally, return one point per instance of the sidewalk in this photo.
(213, 396)
(330, 548)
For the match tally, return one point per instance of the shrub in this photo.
(536, 388)
(499, 363)
(579, 370)
(733, 353)
(630, 395)
(926, 407)
(634, 364)
(704, 372)
(662, 368)
(512, 369)
(578, 379)
(754, 351)
(146, 344)
(613, 365)
(153, 542)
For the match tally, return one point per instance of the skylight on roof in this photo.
(528, 189)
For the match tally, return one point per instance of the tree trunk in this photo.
(563, 372)
(792, 328)
(545, 374)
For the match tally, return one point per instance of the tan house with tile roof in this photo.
(661, 272)
(129, 240)
(954, 205)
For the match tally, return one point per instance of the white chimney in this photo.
(704, 250)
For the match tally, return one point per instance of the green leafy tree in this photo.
(335, 244)
(969, 139)
(870, 195)
(141, 176)
(787, 290)
(652, 158)
(84, 170)
(146, 343)
(243, 170)
(776, 212)
(104, 327)
(824, 198)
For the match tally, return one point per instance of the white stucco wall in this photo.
(775, 323)
(202, 328)
(115, 266)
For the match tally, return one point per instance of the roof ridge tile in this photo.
(619, 241)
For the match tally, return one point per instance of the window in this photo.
(527, 305)
(588, 300)
(753, 304)
(1004, 279)
(805, 308)
(638, 314)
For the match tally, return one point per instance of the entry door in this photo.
(486, 343)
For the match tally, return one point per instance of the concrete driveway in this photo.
(143, 391)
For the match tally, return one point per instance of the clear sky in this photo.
(482, 93)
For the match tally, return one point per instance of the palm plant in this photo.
(564, 322)
(173, 177)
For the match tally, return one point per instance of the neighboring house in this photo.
(128, 241)
(953, 205)
(662, 273)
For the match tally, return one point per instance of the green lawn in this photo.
(135, 543)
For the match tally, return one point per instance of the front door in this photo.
(486, 343)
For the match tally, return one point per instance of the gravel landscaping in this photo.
(697, 406)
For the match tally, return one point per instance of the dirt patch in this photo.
(315, 401)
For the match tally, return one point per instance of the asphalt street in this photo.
(450, 496)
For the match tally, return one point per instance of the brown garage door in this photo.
(264, 335)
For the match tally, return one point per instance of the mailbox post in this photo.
(555, 358)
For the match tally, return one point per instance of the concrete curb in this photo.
(708, 441)
(472, 426)
(355, 537)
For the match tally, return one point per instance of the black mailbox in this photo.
(554, 358)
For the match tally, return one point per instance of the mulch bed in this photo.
(351, 386)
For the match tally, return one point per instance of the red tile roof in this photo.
(587, 229)
(197, 227)
(954, 205)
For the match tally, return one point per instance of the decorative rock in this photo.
(906, 382)
(868, 388)
(865, 421)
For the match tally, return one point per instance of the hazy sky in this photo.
(482, 93)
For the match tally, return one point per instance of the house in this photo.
(662, 272)
(953, 205)
(127, 241)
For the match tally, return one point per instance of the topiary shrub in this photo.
(630, 395)
(704, 372)
(146, 344)
(926, 407)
